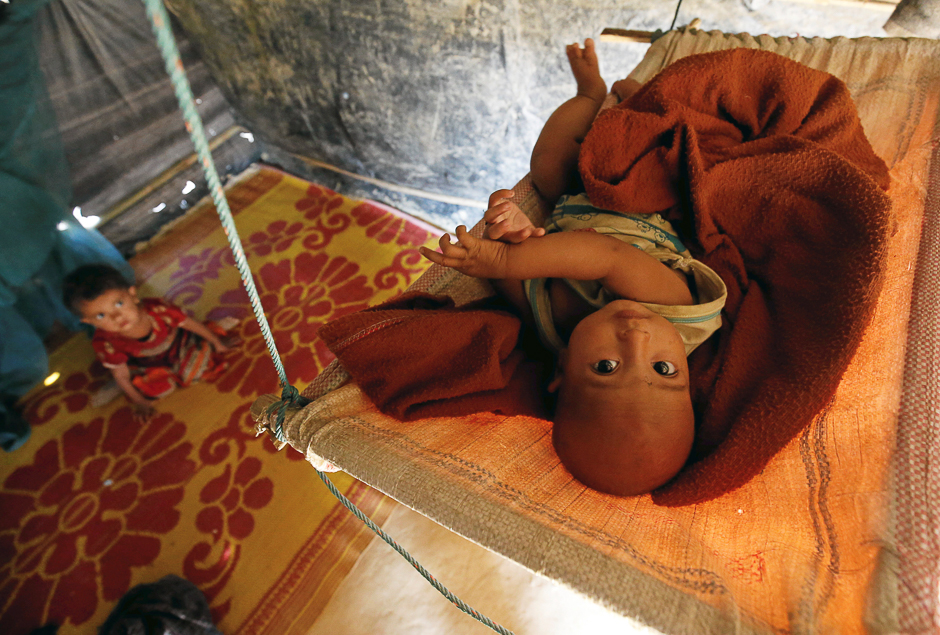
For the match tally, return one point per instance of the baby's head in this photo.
(623, 421)
(102, 297)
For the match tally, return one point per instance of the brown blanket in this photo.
(763, 166)
(417, 356)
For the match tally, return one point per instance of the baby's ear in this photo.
(133, 291)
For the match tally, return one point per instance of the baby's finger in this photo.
(534, 231)
(500, 195)
(444, 242)
(497, 208)
(441, 259)
(464, 236)
(496, 214)
(433, 256)
(497, 230)
(452, 250)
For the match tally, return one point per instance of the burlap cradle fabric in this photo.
(916, 490)
(809, 544)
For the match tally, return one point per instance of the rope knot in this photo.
(289, 397)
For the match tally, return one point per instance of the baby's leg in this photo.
(554, 163)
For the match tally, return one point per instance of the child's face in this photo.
(624, 348)
(115, 310)
(624, 422)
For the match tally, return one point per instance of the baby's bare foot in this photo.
(586, 70)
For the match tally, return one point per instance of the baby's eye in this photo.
(100, 316)
(666, 369)
(605, 366)
(119, 303)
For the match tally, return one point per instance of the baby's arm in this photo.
(202, 331)
(122, 375)
(621, 268)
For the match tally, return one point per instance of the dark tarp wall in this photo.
(446, 96)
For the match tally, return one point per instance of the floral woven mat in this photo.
(96, 503)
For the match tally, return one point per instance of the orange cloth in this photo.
(762, 165)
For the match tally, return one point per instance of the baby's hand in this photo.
(143, 413)
(476, 257)
(506, 222)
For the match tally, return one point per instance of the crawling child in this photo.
(615, 296)
(149, 345)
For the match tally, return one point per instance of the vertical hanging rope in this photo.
(174, 66)
(184, 95)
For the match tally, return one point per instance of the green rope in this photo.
(456, 601)
(174, 66)
(289, 396)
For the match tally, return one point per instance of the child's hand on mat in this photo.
(143, 413)
(506, 222)
(476, 257)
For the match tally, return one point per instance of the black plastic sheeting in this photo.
(444, 96)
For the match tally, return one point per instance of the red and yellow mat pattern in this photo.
(96, 502)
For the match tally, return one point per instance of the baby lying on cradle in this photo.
(149, 345)
(615, 296)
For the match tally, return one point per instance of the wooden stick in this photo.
(624, 35)
(643, 37)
